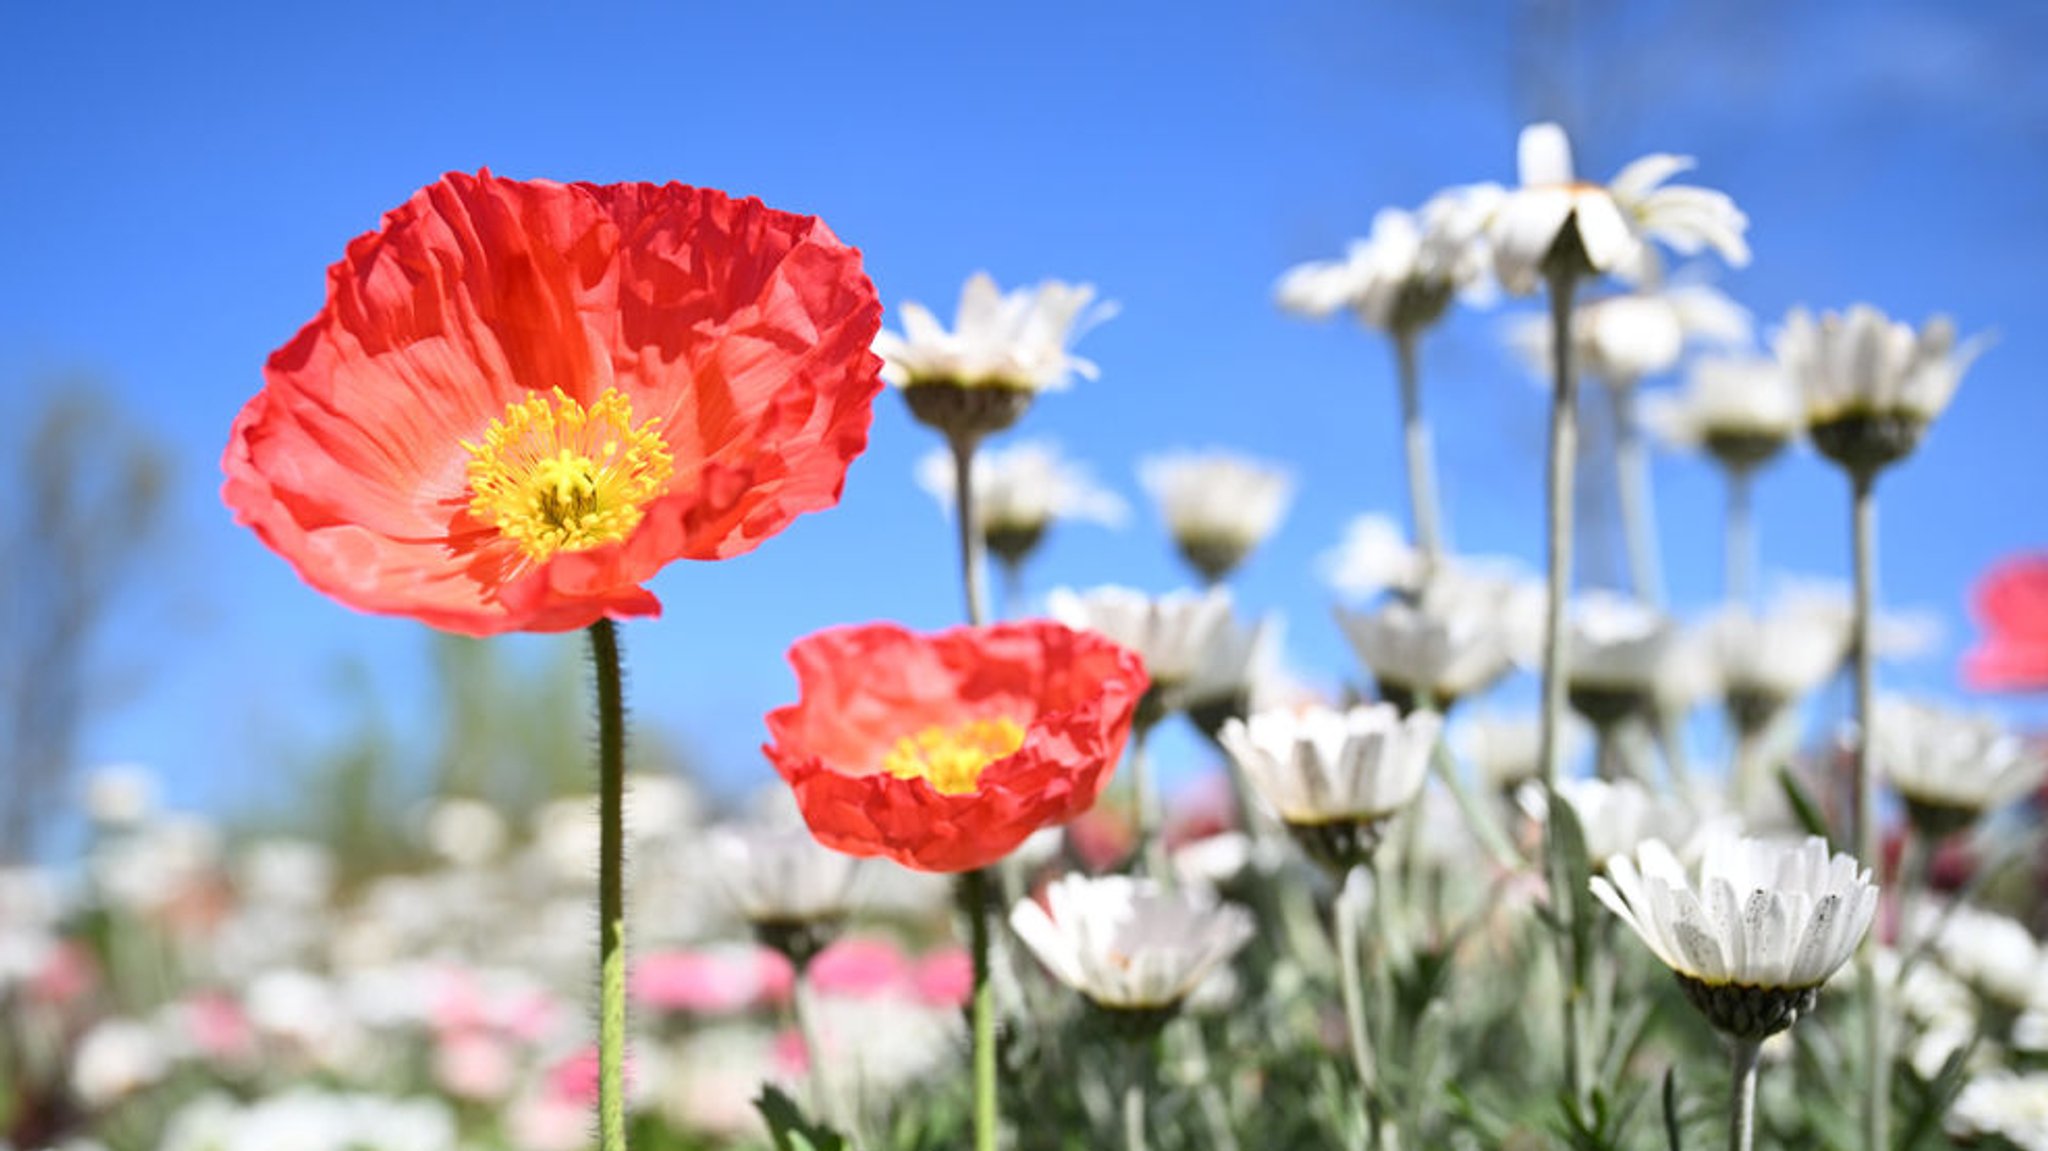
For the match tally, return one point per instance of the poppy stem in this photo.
(974, 900)
(1421, 458)
(1878, 1081)
(969, 517)
(1562, 280)
(611, 868)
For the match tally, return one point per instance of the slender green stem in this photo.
(974, 900)
(1741, 537)
(1351, 985)
(1145, 807)
(824, 1092)
(1477, 819)
(1638, 506)
(1558, 496)
(1134, 1099)
(1878, 1060)
(1742, 1061)
(1417, 450)
(968, 516)
(611, 886)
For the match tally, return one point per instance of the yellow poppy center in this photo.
(553, 475)
(951, 759)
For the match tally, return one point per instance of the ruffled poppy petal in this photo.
(2011, 605)
(863, 689)
(744, 330)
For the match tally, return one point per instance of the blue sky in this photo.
(178, 179)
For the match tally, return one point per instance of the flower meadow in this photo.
(1684, 901)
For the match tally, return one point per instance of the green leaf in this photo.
(1671, 1140)
(1577, 879)
(788, 1127)
(1803, 806)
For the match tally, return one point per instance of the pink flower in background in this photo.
(474, 1065)
(2010, 604)
(944, 978)
(713, 981)
(68, 973)
(860, 968)
(217, 1027)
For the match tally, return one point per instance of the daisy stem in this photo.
(1145, 807)
(969, 518)
(1878, 1063)
(1741, 537)
(1562, 279)
(974, 898)
(1415, 441)
(611, 886)
(1351, 984)
(823, 1095)
(1742, 1103)
(1135, 1062)
(1477, 819)
(1638, 507)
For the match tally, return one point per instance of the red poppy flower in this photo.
(944, 752)
(523, 398)
(2011, 605)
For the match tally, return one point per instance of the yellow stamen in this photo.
(952, 759)
(556, 476)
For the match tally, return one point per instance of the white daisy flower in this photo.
(1129, 944)
(1949, 767)
(1767, 662)
(1020, 491)
(2004, 1104)
(1619, 816)
(1018, 339)
(1752, 941)
(1995, 954)
(1624, 338)
(1871, 385)
(1174, 634)
(1219, 505)
(780, 879)
(1611, 224)
(1617, 650)
(1507, 750)
(1334, 777)
(1742, 410)
(1445, 650)
(115, 1059)
(1405, 273)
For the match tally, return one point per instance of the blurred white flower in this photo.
(1768, 661)
(117, 1058)
(1404, 274)
(1950, 766)
(1756, 936)
(152, 865)
(1992, 953)
(2004, 1104)
(1129, 944)
(1899, 635)
(1615, 650)
(1447, 648)
(293, 874)
(1017, 340)
(1022, 490)
(1622, 339)
(1172, 633)
(1861, 362)
(1741, 410)
(1218, 505)
(309, 1119)
(120, 795)
(465, 832)
(1508, 749)
(1374, 556)
(1617, 817)
(1611, 224)
(780, 875)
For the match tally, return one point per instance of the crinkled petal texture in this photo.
(743, 330)
(864, 690)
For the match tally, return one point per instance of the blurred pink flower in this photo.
(217, 1027)
(860, 968)
(712, 981)
(945, 977)
(475, 1066)
(2010, 604)
(69, 972)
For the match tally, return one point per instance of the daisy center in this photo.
(553, 475)
(951, 759)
